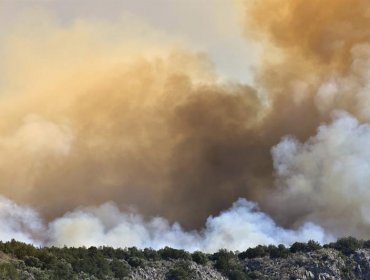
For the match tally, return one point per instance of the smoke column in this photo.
(105, 129)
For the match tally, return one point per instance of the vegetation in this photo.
(181, 271)
(17, 260)
(228, 263)
(199, 257)
(347, 245)
(305, 247)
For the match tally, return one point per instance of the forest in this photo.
(24, 261)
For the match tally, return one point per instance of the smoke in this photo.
(322, 47)
(238, 228)
(152, 127)
(92, 111)
(326, 178)
(18, 222)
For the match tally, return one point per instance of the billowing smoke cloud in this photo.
(21, 223)
(152, 127)
(92, 112)
(318, 52)
(240, 227)
(326, 178)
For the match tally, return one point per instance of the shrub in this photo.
(366, 244)
(305, 247)
(199, 257)
(181, 271)
(119, 269)
(168, 253)
(255, 275)
(225, 261)
(62, 270)
(347, 245)
(313, 246)
(228, 264)
(135, 252)
(32, 261)
(8, 272)
(257, 252)
(278, 252)
(298, 247)
(151, 254)
(237, 274)
(135, 262)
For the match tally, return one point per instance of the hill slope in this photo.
(347, 258)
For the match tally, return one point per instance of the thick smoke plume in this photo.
(240, 227)
(326, 178)
(153, 128)
(92, 112)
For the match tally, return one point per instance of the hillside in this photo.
(347, 258)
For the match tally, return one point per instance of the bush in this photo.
(181, 271)
(62, 271)
(135, 262)
(347, 245)
(8, 272)
(310, 246)
(255, 275)
(119, 269)
(298, 247)
(228, 264)
(258, 252)
(237, 275)
(278, 252)
(225, 261)
(366, 244)
(199, 257)
(313, 246)
(32, 261)
(135, 252)
(168, 253)
(151, 254)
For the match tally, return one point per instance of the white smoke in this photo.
(20, 223)
(326, 179)
(238, 228)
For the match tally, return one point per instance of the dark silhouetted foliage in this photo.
(347, 245)
(168, 253)
(258, 252)
(181, 271)
(8, 272)
(228, 264)
(109, 263)
(310, 246)
(199, 257)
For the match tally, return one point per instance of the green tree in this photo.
(8, 271)
(181, 271)
(199, 257)
(119, 269)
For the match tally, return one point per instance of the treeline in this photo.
(110, 263)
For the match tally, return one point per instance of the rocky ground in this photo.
(323, 264)
(160, 270)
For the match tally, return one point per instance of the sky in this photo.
(212, 27)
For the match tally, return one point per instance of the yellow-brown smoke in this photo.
(90, 113)
(317, 56)
(309, 43)
(87, 119)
